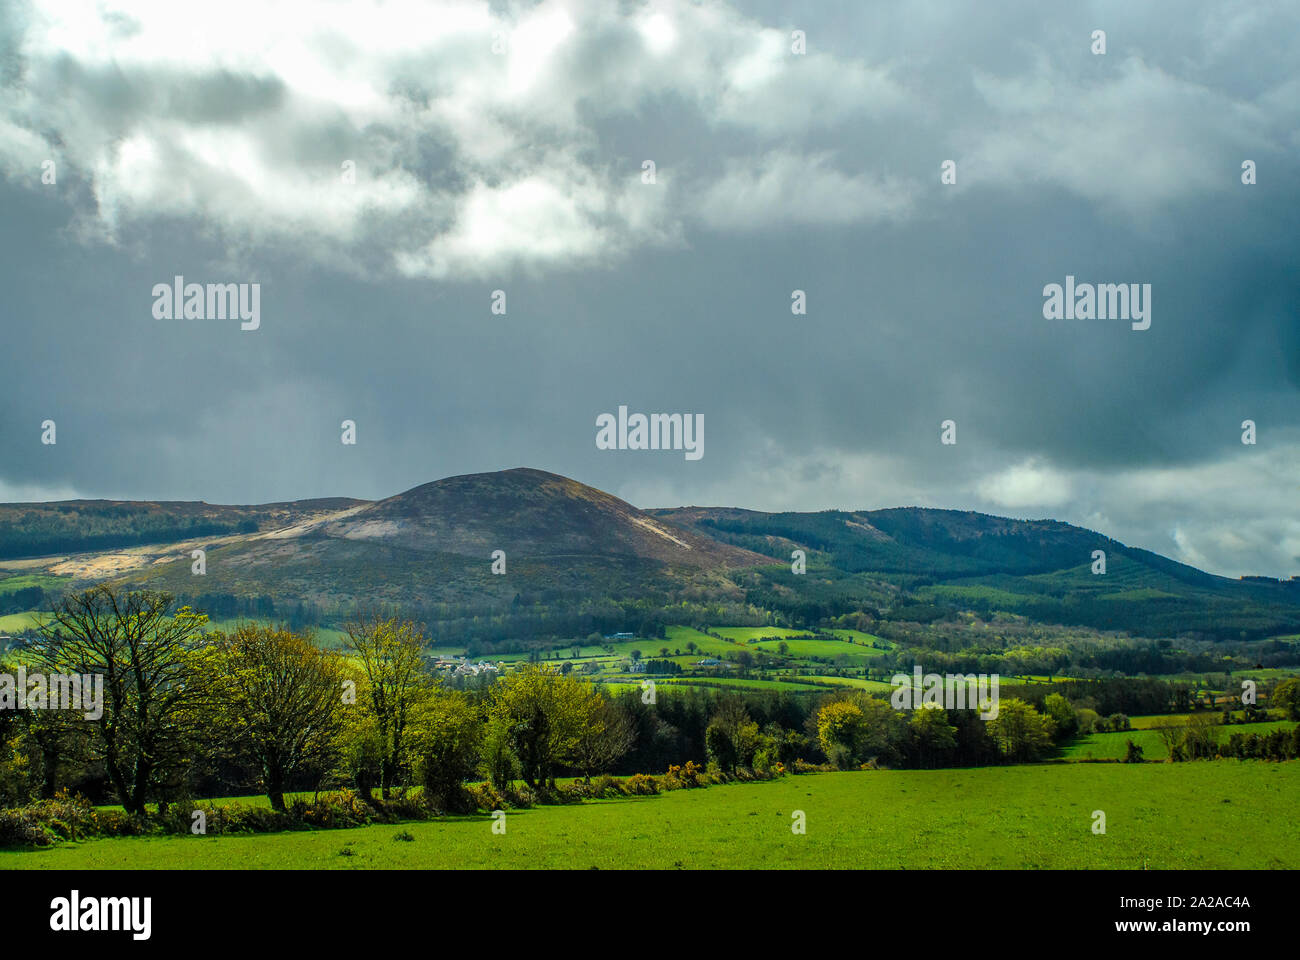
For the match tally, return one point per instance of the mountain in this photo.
(1041, 569)
(575, 558)
(578, 559)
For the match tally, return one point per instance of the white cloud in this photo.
(785, 187)
(1027, 484)
(1132, 136)
(468, 161)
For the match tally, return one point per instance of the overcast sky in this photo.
(213, 145)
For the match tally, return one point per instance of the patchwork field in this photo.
(1226, 814)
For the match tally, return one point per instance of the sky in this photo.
(380, 169)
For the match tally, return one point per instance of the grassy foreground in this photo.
(1224, 814)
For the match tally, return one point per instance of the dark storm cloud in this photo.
(775, 173)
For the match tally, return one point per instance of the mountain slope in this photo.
(1042, 569)
(579, 559)
(429, 552)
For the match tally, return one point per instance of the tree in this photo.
(1171, 737)
(391, 657)
(545, 715)
(731, 738)
(1286, 695)
(841, 730)
(498, 754)
(448, 736)
(281, 700)
(1065, 723)
(1020, 731)
(608, 736)
(151, 659)
(1200, 737)
(856, 728)
(932, 735)
(1089, 721)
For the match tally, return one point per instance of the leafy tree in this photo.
(855, 728)
(1065, 723)
(498, 753)
(732, 737)
(1286, 695)
(1020, 731)
(841, 730)
(448, 740)
(545, 715)
(933, 737)
(1088, 721)
(280, 699)
(391, 657)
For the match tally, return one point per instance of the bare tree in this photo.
(608, 736)
(154, 682)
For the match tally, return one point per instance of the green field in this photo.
(827, 649)
(1100, 746)
(857, 636)
(14, 622)
(1225, 814)
(1152, 721)
(876, 686)
(746, 634)
(20, 581)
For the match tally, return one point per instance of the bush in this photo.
(1133, 754)
(44, 822)
(840, 756)
(683, 778)
(22, 827)
(485, 796)
(119, 823)
(640, 785)
(333, 810)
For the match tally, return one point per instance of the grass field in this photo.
(14, 622)
(1225, 814)
(876, 686)
(1155, 720)
(1100, 746)
(746, 634)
